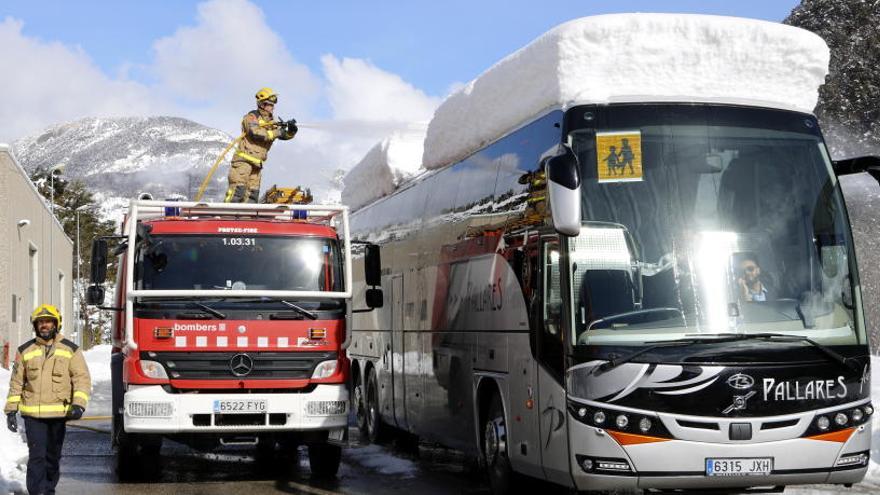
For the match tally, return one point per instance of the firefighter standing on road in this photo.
(50, 384)
(259, 131)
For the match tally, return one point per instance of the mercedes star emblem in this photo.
(241, 365)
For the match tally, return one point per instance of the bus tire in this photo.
(359, 404)
(495, 457)
(324, 459)
(375, 427)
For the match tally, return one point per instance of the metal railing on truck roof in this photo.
(335, 216)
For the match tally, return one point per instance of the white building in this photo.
(36, 258)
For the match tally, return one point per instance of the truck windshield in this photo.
(709, 220)
(206, 262)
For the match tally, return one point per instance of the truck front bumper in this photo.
(150, 409)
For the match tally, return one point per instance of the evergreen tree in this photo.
(849, 102)
(72, 199)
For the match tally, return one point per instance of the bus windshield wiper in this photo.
(206, 309)
(615, 362)
(308, 314)
(782, 337)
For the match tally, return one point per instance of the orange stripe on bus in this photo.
(834, 436)
(633, 439)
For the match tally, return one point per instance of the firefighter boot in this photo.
(253, 196)
(235, 194)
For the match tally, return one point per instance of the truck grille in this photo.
(254, 365)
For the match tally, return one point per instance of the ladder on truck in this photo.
(334, 216)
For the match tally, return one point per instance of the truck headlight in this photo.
(325, 369)
(152, 369)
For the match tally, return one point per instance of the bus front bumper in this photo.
(682, 464)
(151, 409)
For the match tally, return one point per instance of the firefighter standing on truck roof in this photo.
(50, 384)
(259, 131)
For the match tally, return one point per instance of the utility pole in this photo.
(77, 286)
(57, 169)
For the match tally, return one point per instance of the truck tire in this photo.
(359, 404)
(137, 457)
(375, 427)
(324, 459)
(494, 449)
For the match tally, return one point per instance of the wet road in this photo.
(88, 468)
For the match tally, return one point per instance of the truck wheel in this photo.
(501, 475)
(138, 457)
(324, 459)
(375, 428)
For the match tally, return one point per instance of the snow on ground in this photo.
(14, 452)
(387, 164)
(379, 459)
(631, 57)
(98, 359)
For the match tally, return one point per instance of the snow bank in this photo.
(98, 359)
(632, 57)
(387, 164)
(14, 452)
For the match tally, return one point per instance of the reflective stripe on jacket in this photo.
(259, 134)
(48, 378)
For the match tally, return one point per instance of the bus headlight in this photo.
(325, 369)
(823, 423)
(599, 417)
(152, 369)
(645, 425)
(840, 418)
(622, 421)
(857, 415)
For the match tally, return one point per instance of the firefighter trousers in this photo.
(244, 183)
(45, 437)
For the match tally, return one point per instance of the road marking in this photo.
(310, 489)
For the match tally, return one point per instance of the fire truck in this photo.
(230, 328)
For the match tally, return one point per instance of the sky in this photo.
(356, 70)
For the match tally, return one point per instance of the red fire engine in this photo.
(230, 328)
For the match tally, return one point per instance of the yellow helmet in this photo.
(47, 311)
(267, 94)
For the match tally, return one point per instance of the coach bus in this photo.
(634, 294)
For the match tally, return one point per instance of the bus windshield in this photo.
(708, 220)
(207, 262)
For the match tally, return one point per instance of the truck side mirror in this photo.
(373, 266)
(564, 190)
(95, 295)
(99, 261)
(870, 164)
(375, 298)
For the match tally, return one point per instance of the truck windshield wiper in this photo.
(206, 309)
(781, 337)
(308, 314)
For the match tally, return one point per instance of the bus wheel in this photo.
(375, 428)
(324, 459)
(360, 406)
(495, 449)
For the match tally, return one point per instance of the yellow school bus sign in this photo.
(620, 156)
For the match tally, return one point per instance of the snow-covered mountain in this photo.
(121, 157)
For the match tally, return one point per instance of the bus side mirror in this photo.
(375, 298)
(99, 261)
(373, 266)
(870, 164)
(564, 189)
(95, 295)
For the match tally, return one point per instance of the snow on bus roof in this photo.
(388, 164)
(632, 57)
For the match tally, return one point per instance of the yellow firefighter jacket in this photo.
(48, 378)
(259, 134)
